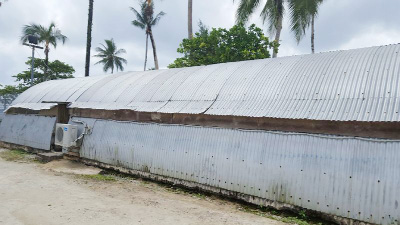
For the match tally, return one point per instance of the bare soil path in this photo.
(33, 193)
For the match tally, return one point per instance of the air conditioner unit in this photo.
(66, 135)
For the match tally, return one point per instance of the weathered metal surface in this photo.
(32, 106)
(27, 130)
(348, 177)
(353, 85)
(384, 130)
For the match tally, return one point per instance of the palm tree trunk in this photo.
(153, 43)
(190, 19)
(89, 38)
(312, 35)
(46, 61)
(147, 47)
(277, 35)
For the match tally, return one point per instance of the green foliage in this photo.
(8, 93)
(301, 14)
(222, 45)
(14, 155)
(48, 35)
(109, 56)
(272, 12)
(97, 177)
(56, 70)
(145, 19)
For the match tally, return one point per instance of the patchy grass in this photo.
(15, 155)
(98, 177)
(300, 218)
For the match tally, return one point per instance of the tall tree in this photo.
(190, 19)
(8, 94)
(89, 38)
(146, 20)
(303, 14)
(56, 70)
(50, 35)
(222, 45)
(272, 13)
(109, 56)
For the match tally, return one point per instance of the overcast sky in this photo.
(342, 24)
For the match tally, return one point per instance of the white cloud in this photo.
(342, 24)
(373, 36)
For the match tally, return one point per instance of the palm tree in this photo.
(48, 35)
(190, 19)
(89, 38)
(145, 20)
(109, 56)
(272, 12)
(303, 14)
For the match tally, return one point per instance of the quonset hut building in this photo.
(320, 132)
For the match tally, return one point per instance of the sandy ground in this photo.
(32, 193)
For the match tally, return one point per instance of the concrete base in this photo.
(50, 156)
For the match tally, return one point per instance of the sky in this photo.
(341, 25)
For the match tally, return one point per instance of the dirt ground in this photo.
(34, 193)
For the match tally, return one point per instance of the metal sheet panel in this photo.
(361, 85)
(348, 177)
(27, 130)
(32, 106)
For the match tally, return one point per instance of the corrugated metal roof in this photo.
(361, 84)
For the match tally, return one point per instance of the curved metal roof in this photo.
(361, 84)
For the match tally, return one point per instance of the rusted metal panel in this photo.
(361, 85)
(27, 130)
(349, 177)
(385, 130)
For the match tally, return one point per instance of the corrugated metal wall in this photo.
(353, 85)
(27, 130)
(348, 177)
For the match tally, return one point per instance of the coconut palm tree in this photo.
(50, 35)
(190, 19)
(303, 14)
(89, 38)
(273, 12)
(109, 56)
(146, 20)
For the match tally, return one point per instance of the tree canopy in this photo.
(50, 35)
(7, 94)
(222, 45)
(109, 55)
(56, 70)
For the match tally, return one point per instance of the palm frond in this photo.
(108, 53)
(245, 9)
(301, 14)
(136, 23)
(273, 12)
(120, 51)
(158, 18)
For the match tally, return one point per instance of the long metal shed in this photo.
(320, 132)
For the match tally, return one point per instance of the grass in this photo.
(14, 155)
(299, 218)
(98, 177)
